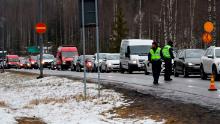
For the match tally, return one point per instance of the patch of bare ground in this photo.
(174, 112)
(3, 104)
(29, 120)
(65, 99)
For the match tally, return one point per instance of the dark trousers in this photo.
(156, 69)
(168, 69)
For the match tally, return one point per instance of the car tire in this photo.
(129, 70)
(121, 69)
(214, 72)
(203, 75)
(102, 70)
(106, 69)
(176, 74)
(185, 73)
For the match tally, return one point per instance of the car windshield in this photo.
(102, 55)
(217, 53)
(88, 57)
(194, 53)
(13, 60)
(69, 54)
(113, 57)
(48, 57)
(34, 57)
(140, 50)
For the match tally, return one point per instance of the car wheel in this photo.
(202, 73)
(185, 72)
(215, 74)
(176, 73)
(102, 70)
(129, 70)
(106, 69)
(121, 69)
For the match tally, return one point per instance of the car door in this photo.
(178, 62)
(210, 61)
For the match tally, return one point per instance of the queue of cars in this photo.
(133, 56)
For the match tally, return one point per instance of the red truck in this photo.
(65, 55)
(12, 61)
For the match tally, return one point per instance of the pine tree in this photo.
(119, 30)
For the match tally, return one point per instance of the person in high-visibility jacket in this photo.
(154, 57)
(167, 53)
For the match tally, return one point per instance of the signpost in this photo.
(207, 36)
(89, 17)
(41, 28)
(33, 49)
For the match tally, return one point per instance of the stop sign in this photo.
(41, 28)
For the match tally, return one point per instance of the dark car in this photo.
(188, 62)
(33, 61)
(88, 62)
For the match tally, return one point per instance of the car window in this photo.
(208, 52)
(194, 53)
(181, 55)
(217, 53)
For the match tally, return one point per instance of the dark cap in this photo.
(170, 42)
(155, 43)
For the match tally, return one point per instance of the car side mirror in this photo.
(210, 56)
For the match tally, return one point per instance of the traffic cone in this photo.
(212, 84)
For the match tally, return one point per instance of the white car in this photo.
(210, 63)
(47, 60)
(95, 61)
(110, 63)
(133, 54)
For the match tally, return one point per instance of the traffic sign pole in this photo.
(41, 28)
(97, 43)
(84, 48)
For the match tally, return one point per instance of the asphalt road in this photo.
(187, 90)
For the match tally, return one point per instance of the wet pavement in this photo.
(187, 90)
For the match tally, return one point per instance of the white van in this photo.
(133, 54)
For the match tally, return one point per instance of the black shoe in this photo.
(168, 79)
(156, 83)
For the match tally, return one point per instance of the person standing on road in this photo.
(167, 55)
(154, 58)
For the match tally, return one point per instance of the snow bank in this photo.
(58, 101)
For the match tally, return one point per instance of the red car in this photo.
(12, 61)
(65, 55)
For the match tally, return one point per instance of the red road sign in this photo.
(41, 28)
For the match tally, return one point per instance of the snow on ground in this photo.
(57, 101)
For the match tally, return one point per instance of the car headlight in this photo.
(42, 62)
(134, 61)
(190, 64)
(109, 64)
(32, 62)
(64, 62)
